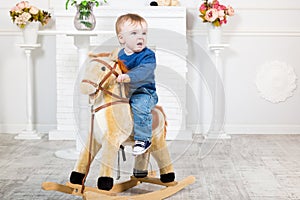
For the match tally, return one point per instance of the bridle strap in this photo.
(90, 149)
(112, 69)
(109, 104)
(100, 86)
(93, 111)
(95, 85)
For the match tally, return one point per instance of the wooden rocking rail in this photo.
(91, 193)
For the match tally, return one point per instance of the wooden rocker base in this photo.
(91, 193)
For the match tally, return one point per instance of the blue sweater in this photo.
(141, 66)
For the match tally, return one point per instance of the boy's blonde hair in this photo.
(133, 18)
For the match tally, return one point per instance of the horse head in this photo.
(101, 71)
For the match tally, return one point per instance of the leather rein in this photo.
(99, 87)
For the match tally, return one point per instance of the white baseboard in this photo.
(18, 128)
(185, 135)
(231, 129)
(262, 129)
(61, 135)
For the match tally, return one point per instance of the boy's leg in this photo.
(141, 106)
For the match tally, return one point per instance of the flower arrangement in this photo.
(84, 8)
(23, 13)
(84, 4)
(215, 13)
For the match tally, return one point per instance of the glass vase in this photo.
(84, 19)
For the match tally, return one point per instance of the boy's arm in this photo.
(142, 73)
(145, 71)
(123, 78)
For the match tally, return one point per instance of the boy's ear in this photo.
(121, 39)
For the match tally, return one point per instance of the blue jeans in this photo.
(142, 102)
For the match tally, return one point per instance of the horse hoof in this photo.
(76, 177)
(166, 178)
(140, 173)
(105, 183)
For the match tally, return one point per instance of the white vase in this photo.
(30, 33)
(214, 34)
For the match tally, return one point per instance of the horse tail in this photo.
(165, 119)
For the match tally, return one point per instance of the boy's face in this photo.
(133, 36)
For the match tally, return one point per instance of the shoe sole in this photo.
(141, 152)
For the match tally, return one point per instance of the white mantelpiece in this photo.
(68, 49)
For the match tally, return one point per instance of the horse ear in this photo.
(95, 55)
(114, 54)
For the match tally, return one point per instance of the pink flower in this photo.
(16, 9)
(223, 21)
(222, 7)
(215, 4)
(230, 11)
(23, 4)
(221, 14)
(202, 8)
(34, 10)
(23, 13)
(214, 12)
(211, 15)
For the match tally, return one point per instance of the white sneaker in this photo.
(140, 147)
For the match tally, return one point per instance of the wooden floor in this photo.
(256, 167)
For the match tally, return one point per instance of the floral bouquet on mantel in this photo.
(215, 13)
(23, 13)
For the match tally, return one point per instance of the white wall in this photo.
(259, 32)
(13, 77)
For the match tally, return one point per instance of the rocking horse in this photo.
(111, 110)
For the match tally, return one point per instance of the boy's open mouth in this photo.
(140, 44)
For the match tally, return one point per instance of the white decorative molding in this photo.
(244, 129)
(251, 32)
(15, 128)
(262, 129)
(276, 81)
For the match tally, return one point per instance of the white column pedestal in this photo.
(216, 131)
(29, 133)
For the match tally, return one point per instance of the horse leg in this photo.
(140, 169)
(110, 149)
(160, 152)
(80, 169)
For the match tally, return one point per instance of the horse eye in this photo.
(103, 68)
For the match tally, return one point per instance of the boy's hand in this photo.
(123, 78)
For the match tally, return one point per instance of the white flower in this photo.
(23, 19)
(34, 10)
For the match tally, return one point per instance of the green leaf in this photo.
(87, 24)
(67, 3)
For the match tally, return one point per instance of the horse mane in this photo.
(122, 66)
(164, 114)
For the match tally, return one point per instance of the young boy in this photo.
(131, 31)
